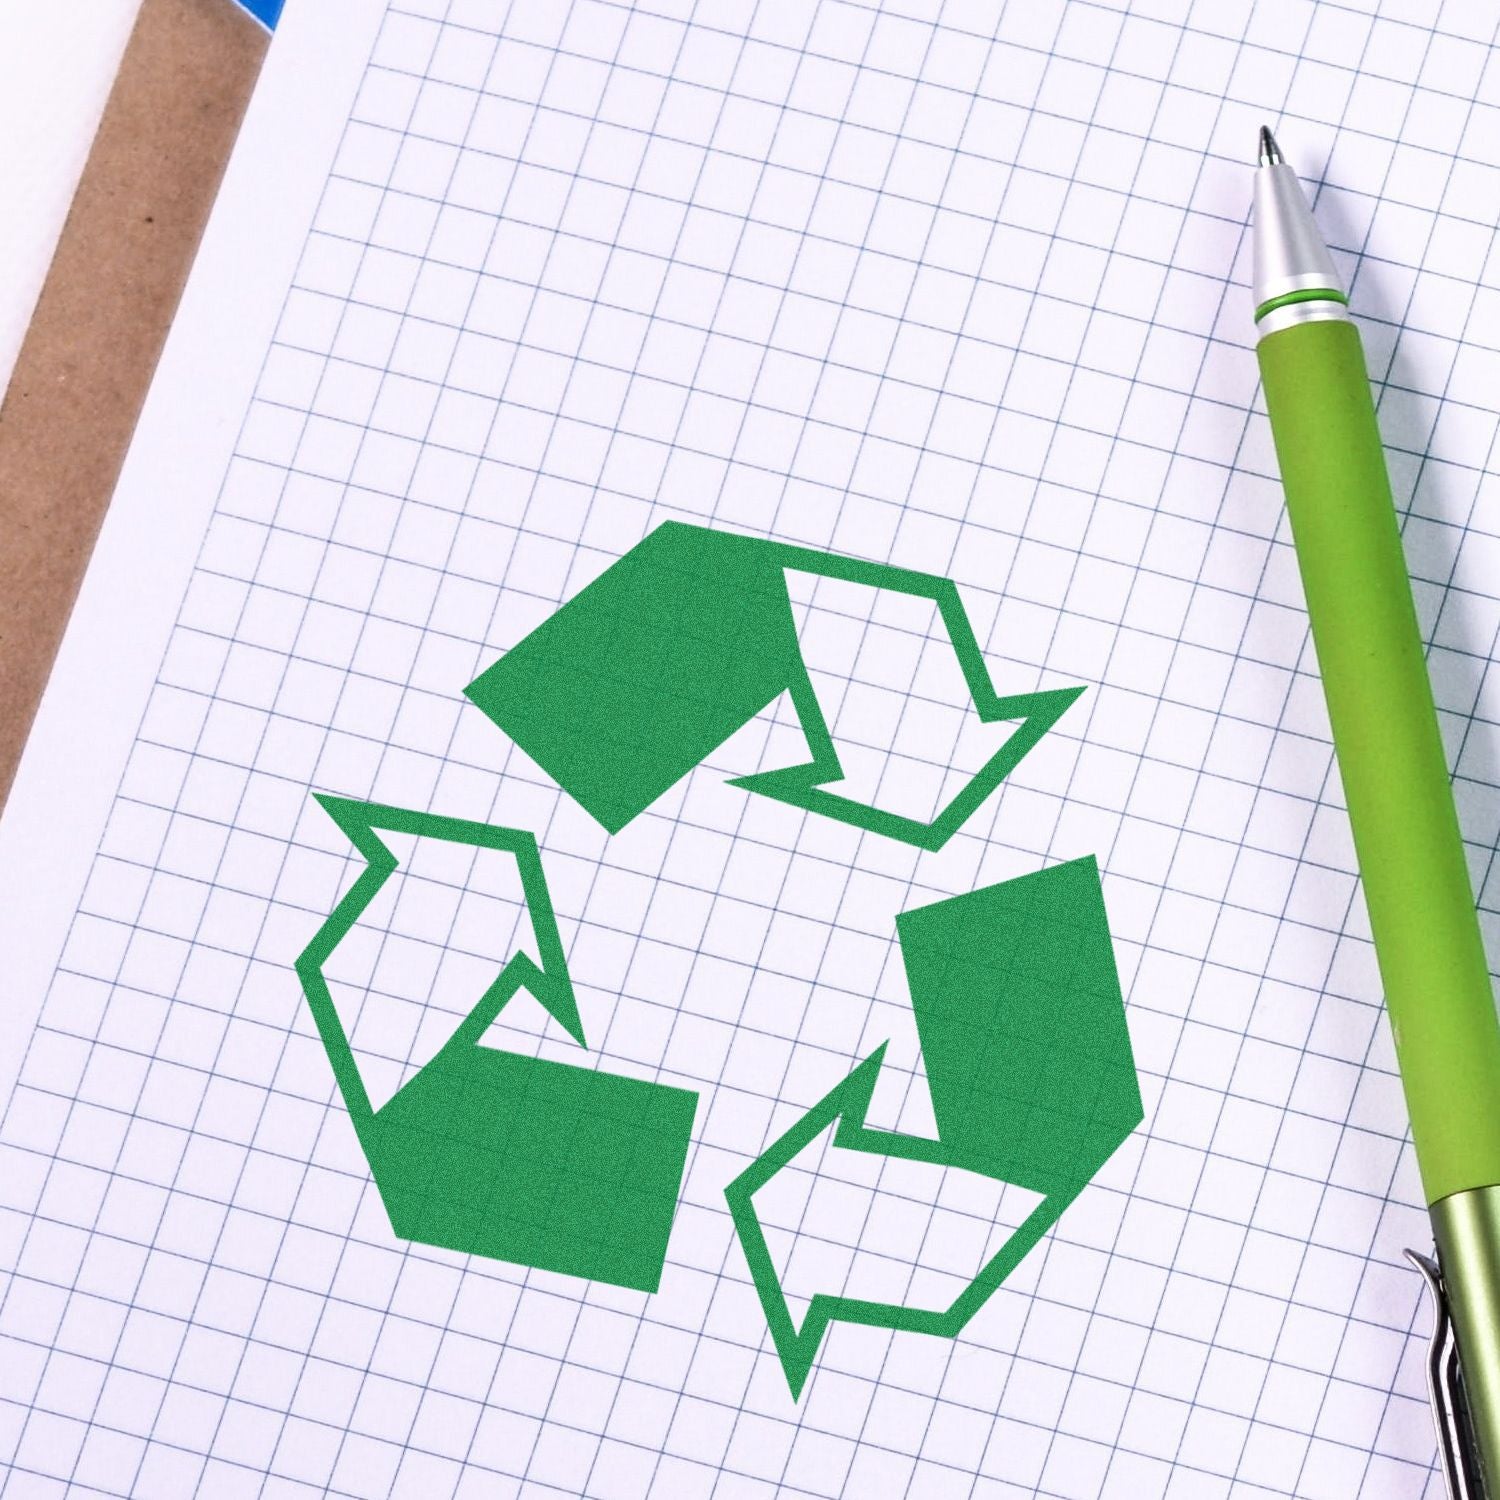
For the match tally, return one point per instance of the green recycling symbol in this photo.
(618, 696)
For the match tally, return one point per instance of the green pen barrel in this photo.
(1390, 754)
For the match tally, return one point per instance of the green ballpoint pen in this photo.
(1400, 798)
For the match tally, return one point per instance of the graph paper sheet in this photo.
(491, 293)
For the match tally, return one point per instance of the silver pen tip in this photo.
(1269, 152)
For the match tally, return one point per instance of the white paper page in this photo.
(489, 295)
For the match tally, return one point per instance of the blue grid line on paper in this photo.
(1063, 1468)
(137, 1477)
(1489, 457)
(319, 1322)
(1134, 584)
(1241, 1457)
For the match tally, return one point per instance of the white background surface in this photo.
(205, 1296)
(56, 66)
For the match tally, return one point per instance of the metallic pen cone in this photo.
(1292, 276)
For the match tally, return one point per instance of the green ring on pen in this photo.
(1306, 294)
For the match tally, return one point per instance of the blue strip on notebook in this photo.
(265, 11)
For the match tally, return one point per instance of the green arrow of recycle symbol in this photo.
(618, 695)
(489, 1152)
(679, 644)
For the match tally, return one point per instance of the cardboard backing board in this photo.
(103, 315)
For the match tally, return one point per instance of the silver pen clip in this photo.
(1445, 1384)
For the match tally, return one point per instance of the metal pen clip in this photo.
(1445, 1385)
